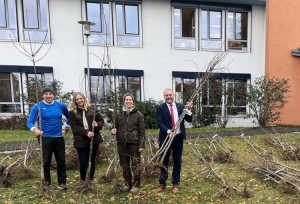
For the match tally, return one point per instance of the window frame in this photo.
(8, 27)
(12, 92)
(208, 38)
(249, 29)
(109, 33)
(31, 31)
(124, 34)
(196, 29)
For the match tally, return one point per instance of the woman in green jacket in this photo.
(83, 119)
(130, 135)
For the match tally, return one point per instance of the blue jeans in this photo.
(177, 148)
(83, 154)
(54, 145)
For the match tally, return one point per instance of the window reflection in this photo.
(184, 27)
(237, 30)
(7, 20)
(99, 13)
(127, 20)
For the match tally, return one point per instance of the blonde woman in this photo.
(81, 117)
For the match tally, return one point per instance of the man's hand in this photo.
(37, 132)
(114, 131)
(189, 105)
(170, 133)
(95, 124)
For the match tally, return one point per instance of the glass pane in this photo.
(236, 45)
(43, 11)
(120, 20)
(97, 90)
(31, 77)
(185, 43)
(36, 35)
(178, 94)
(8, 34)
(98, 38)
(131, 19)
(215, 24)
(215, 92)
(188, 89)
(211, 44)
(5, 87)
(129, 40)
(177, 23)
(134, 85)
(188, 22)
(30, 14)
(10, 108)
(12, 13)
(106, 23)
(48, 78)
(94, 15)
(241, 22)
(204, 24)
(230, 25)
(122, 82)
(204, 94)
(2, 14)
(16, 86)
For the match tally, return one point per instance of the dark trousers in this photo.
(54, 145)
(177, 148)
(130, 160)
(83, 154)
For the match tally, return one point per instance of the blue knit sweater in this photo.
(51, 118)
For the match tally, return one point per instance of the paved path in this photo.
(12, 146)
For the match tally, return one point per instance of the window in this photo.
(10, 92)
(211, 29)
(45, 77)
(236, 96)
(237, 30)
(131, 83)
(184, 89)
(8, 25)
(99, 13)
(101, 86)
(127, 25)
(35, 20)
(184, 28)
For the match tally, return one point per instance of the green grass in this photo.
(24, 135)
(197, 186)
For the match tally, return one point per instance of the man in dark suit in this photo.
(167, 115)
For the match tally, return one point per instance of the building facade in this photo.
(148, 45)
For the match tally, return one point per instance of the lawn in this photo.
(197, 184)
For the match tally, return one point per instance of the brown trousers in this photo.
(130, 160)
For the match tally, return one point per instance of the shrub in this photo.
(16, 121)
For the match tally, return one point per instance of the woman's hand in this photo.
(95, 124)
(114, 131)
(90, 134)
(141, 149)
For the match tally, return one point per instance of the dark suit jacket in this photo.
(164, 121)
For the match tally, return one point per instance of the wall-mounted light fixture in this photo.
(296, 52)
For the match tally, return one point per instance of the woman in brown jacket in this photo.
(130, 135)
(82, 119)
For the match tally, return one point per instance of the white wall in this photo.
(67, 55)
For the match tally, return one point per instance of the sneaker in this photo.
(126, 188)
(134, 190)
(62, 186)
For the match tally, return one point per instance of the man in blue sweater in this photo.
(51, 112)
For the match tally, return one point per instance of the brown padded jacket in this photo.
(80, 137)
(130, 127)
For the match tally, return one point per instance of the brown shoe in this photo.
(175, 189)
(160, 188)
